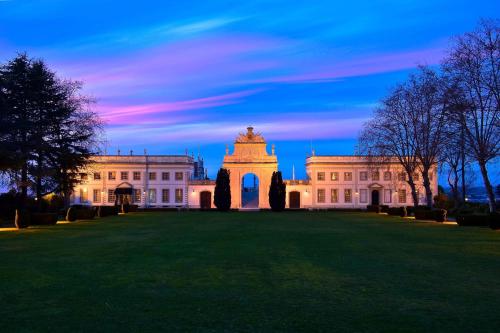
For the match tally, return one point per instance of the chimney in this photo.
(118, 152)
(131, 152)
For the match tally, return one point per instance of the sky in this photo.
(175, 75)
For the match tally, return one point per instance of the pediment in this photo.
(375, 185)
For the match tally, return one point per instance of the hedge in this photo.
(43, 218)
(479, 220)
(397, 211)
(103, 211)
(438, 215)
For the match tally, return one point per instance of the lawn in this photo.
(243, 272)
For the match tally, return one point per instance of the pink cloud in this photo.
(142, 113)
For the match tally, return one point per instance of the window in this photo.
(152, 176)
(178, 195)
(334, 176)
(97, 176)
(402, 196)
(111, 196)
(179, 176)
(347, 176)
(401, 176)
(83, 195)
(321, 176)
(137, 195)
(124, 175)
(363, 196)
(96, 196)
(152, 195)
(334, 195)
(387, 175)
(84, 176)
(347, 195)
(165, 195)
(375, 175)
(136, 175)
(165, 176)
(112, 175)
(387, 196)
(416, 177)
(321, 195)
(363, 175)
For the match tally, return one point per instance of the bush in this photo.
(133, 208)
(43, 219)
(22, 219)
(495, 221)
(397, 211)
(440, 215)
(71, 215)
(374, 208)
(87, 213)
(474, 220)
(103, 211)
(125, 208)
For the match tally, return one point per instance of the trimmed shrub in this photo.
(133, 208)
(473, 220)
(384, 208)
(424, 214)
(87, 213)
(495, 221)
(374, 208)
(103, 211)
(125, 208)
(440, 215)
(71, 214)
(397, 211)
(43, 219)
(22, 219)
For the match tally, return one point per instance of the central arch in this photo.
(250, 157)
(250, 191)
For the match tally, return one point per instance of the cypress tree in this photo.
(277, 192)
(222, 193)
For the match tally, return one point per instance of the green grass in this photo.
(242, 272)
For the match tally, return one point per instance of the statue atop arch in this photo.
(250, 137)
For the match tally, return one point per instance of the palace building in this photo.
(180, 180)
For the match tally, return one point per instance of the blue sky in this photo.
(176, 75)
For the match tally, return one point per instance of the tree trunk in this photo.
(414, 193)
(487, 184)
(427, 186)
(462, 160)
(24, 184)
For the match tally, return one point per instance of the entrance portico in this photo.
(250, 157)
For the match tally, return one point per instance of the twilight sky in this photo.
(171, 75)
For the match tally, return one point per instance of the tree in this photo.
(473, 64)
(390, 136)
(277, 192)
(51, 129)
(426, 96)
(222, 192)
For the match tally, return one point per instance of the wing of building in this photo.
(347, 182)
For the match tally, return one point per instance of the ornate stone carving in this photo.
(250, 137)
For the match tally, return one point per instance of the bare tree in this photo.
(390, 135)
(474, 64)
(426, 96)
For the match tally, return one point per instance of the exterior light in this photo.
(85, 190)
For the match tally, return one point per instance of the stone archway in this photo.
(249, 191)
(250, 156)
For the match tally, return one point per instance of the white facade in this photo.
(147, 180)
(346, 182)
(353, 182)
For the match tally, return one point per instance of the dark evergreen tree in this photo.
(47, 129)
(222, 193)
(277, 192)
